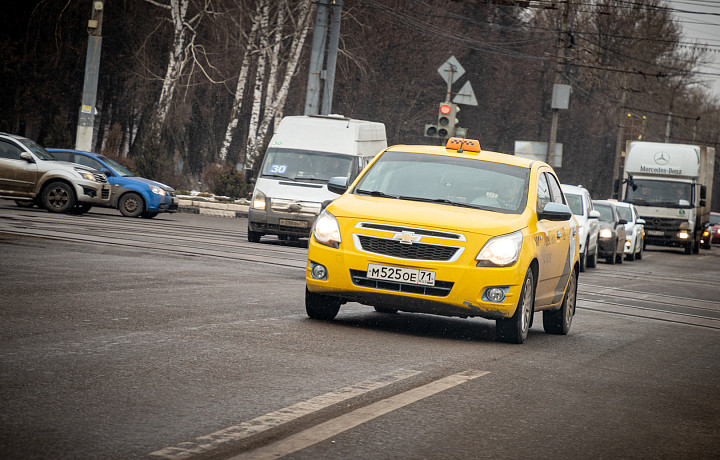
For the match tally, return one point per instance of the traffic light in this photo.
(431, 131)
(447, 118)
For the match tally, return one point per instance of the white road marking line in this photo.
(265, 422)
(357, 417)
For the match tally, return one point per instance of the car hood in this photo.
(427, 215)
(602, 224)
(150, 182)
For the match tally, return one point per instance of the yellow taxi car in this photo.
(453, 231)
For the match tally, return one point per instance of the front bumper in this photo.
(458, 291)
(280, 223)
(666, 238)
(607, 247)
(161, 203)
(93, 193)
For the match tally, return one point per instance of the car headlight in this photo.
(87, 175)
(258, 200)
(157, 190)
(501, 251)
(605, 233)
(581, 232)
(327, 230)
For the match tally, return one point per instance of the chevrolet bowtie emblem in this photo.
(407, 237)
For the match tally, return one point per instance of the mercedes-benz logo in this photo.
(662, 158)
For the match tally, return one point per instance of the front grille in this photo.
(417, 231)
(100, 178)
(660, 223)
(441, 288)
(415, 251)
(171, 192)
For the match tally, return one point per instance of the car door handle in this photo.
(559, 234)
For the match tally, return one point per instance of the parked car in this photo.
(133, 196)
(634, 230)
(448, 230)
(612, 234)
(715, 227)
(580, 202)
(32, 176)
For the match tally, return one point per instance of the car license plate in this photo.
(655, 232)
(293, 223)
(401, 274)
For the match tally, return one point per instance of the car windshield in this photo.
(117, 168)
(447, 180)
(576, 203)
(605, 211)
(37, 150)
(307, 165)
(625, 213)
(647, 192)
(714, 219)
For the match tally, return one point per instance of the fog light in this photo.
(318, 272)
(627, 244)
(495, 294)
(683, 235)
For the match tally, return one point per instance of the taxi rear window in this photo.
(449, 180)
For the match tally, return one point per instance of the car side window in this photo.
(543, 192)
(10, 151)
(87, 161)
(557, 195)
(63, 156)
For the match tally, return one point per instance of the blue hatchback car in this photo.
(133, 196)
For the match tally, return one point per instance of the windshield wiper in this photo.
(279, 176)
(375, 193)
(438, 200)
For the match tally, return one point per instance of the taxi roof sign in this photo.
(463, 145)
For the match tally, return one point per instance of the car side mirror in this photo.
(640, 221)
(703, 203)
(555, 211)
(338, 185)
(622, 222)
(27, 157)
(594, 214)
(107, 172)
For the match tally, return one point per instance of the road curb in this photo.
(205, 208)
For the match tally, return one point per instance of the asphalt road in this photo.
(176, 338)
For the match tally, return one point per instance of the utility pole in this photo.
(321, 80)
(559, 77)
(86, 120)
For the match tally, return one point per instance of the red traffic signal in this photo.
(445, 109)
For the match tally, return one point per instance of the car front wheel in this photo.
(320, 306)
(583, 259)
(254, 237)
(592, 258)
(58, 197)
(131, 205)
(559, 321)
(515, 329)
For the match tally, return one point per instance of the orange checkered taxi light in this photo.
(463, 145)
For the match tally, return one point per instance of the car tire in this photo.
(638, 256)
(631, 256)
(612, 258)
(131, 205)
(559, 321)
(592, 259)
(391, 311)
(515, 329)
(149, 214)
(25, 203)
(80, 208)
(254, 237)
(321, 307)
(58, 197)
(583, 259)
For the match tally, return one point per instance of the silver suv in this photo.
(31, 175)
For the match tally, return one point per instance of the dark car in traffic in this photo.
(131, 195)
(611, 237)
